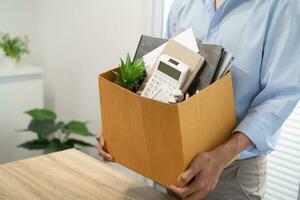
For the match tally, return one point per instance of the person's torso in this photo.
(241, 27)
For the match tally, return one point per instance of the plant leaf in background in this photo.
(41, 114)
(14, 47)
(35, 144)
(54, 136)
(55, 145)
(43, 128)
(79, 142)
(76, 127)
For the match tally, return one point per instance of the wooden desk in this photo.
(69, 175)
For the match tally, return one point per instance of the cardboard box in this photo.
(160, 140)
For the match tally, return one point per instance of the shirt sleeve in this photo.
(279, 78)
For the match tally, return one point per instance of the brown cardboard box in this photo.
(160, 140)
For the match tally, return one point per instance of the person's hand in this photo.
(204, 172)
(102, 151)
(201, 177)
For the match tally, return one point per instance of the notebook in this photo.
(212, 55)
(194, 60)
(224, 65)
(146, 45)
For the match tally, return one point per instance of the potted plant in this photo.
(14, 48)
(131, 74)
(53, 135)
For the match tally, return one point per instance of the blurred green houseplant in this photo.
(54, 135)
(14, 47)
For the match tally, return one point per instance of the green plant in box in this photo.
(131, 73)
(54, 135)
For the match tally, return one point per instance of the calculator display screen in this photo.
(168, 70)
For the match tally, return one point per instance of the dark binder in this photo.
(147, 44)
(212, 54)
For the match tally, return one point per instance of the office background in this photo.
(72, 41)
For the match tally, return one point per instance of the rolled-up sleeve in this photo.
(279, 79)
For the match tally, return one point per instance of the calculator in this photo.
(169, 72)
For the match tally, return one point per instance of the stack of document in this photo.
(217, 63)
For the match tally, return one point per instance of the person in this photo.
(264, 38)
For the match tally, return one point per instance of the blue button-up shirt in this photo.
(264, 37)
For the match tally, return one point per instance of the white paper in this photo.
(186, 38)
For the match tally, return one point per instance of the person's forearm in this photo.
(232, 148)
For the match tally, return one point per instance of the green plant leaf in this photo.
(128, 60)
(55, 145)
(79, 142)
(35, 144)
(139, 62)
(41, 114)
(14, 47)
(44, 128)
(131, 73)
(76, 127)
(59, 125)
(122, 63)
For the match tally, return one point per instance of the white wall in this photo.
(77, 40)
(73, 41)
(157, 17)
(18, 18)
